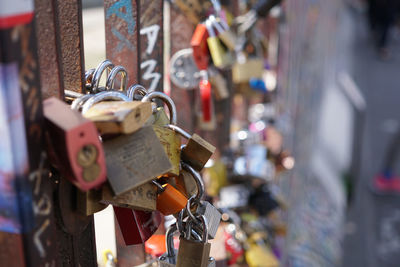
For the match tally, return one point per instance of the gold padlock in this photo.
(219, 55)
(143, 197)
(167, 137)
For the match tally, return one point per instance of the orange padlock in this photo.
(169, 199)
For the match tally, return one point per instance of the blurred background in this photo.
(333, 81)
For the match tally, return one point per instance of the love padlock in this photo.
(201, 55)
(73, 145)
(137, 226)
(168, 138)
(197, 151)
(169, 199)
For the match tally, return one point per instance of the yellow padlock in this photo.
(219, 55)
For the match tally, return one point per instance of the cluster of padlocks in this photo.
(119, 148)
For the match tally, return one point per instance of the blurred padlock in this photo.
(205, 95)
(137, 226)
(218, 53)
(218, 84)
(226, 35)
(73, 145)
(201, 55)
(88, 203)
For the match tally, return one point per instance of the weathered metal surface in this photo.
(181, 33)
(122, 35)
(33, 188)
(50, 82)
(68, 14)
(151, 44)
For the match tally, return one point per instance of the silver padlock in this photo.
(168, 259)
(202, 207)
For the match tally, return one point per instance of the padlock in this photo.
(143, 197)
(74, 145)
(137, 226)
(183, 71)
(194, 253)
(88, 203)
(224, 33)
(113, 74)
(185, 183)
(169, 199)
(116, 117)
(218, 53)
(197, 151)
(218, 84)
(245, 69)
(168, 259)
(135, 159)
(168, 138)
(96, 76)
(200, 207)
(205, 95)
(201, 55)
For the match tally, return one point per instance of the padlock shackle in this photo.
(107, 95)
(159, 186)
(113, 74)
(89, 75)
(210, 30)
(167, 100)
(216, 24)
(72, 94)
(94, 85)
(169, 240)
(178, 130)
(136, 89)
(204, 222)
(197, 178)
(78, 102)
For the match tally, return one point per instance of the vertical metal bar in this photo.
(28, 222)
(151, 45)
(122, 35)
(48, 57)
(68, 14)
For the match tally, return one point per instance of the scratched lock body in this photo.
(73, 145)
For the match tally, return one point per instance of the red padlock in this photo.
(137, 226)
(206, 100)
(73, 145)
(201, 55)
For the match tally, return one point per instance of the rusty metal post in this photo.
(151, 44)
(121, 19)
(27, 225)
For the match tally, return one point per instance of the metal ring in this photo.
(167, 100)
(108, 95)
(169, 242)
(78, 102)
(188, 206)
(72, 94)
(136, 89)
(113, 74)
(199, 182)
(106, 64)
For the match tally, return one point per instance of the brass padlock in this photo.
(115, 117)
(218, 53)
(143, 197)
(197, 151)
(194, 252)
(245, 69)
(226, 35)
(218, 84)
(169, 199)
(168, 138)
(135, 159)
(88, 203)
